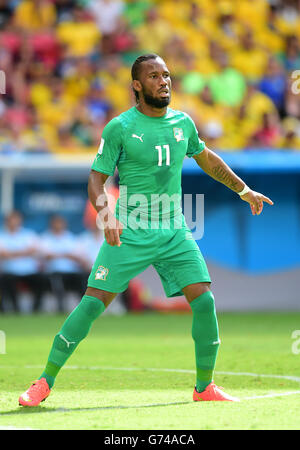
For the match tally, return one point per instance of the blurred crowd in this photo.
(67, 68)
(56, 261)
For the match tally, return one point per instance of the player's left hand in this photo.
(256, 201)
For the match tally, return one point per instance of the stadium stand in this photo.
(67, 67)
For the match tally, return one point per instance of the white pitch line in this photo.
(282, 394)
(247, 374)
(149, 369)
(134, 369)
(285, 377)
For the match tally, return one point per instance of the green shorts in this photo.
(173, 253)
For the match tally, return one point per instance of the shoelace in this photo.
(38, 387)
(218, 387)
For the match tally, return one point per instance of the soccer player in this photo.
(148, 144)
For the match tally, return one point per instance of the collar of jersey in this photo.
(150, 117)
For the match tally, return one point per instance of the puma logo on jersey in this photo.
(67, 342)
(138, 137)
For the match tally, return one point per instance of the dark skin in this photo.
(112, 227)
(154, 80)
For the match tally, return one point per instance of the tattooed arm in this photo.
(216, 168)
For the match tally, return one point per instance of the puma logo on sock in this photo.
(66, 341)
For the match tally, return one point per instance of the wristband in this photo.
(244, 191)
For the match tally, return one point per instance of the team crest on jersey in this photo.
(101, 273)
(178, 134)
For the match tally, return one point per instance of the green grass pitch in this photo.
(136, 372)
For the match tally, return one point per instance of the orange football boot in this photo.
(37, 393)
(213, 393)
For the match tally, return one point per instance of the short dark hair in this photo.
(135, 69)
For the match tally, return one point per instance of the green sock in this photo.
(73, 331)
(205, 333)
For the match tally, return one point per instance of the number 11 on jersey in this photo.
(160, 153)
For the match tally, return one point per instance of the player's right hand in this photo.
(256, 201)
(113, 230)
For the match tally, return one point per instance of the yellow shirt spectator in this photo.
(33, 15)
(80, 38)
(247, 118)
(117, 87)
(40, 94)
(56, 113)
(252, 13)
(257, 104)
(251, 64)
(76, 87)
(175, 12)
(286, 27)
(118, 95)
(248, 58)
(153, 26)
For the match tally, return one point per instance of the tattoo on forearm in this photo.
(223, 176)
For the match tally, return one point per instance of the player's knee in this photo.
(205, 303)
(105, 296)
(92, 307)
(195, 290)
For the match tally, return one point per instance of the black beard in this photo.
(156, 102)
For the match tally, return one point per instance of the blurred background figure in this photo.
(20, 265)
(62, 264)
(268, 135)
(107, 14)
(88, 245)
(274, 83)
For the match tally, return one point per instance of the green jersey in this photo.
(149, 153)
